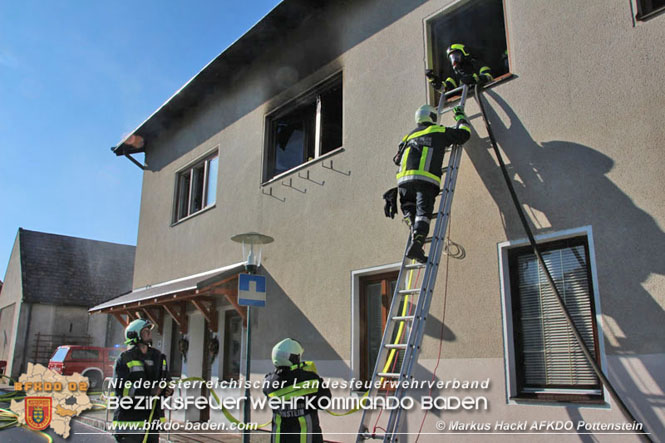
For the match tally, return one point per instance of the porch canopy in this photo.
(172, 297)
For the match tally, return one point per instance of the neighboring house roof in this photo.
(286, 16)
(172, 286)
(62, 270)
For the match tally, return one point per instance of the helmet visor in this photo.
(455, 58)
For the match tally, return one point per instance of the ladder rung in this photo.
(388, 374)
(415, 266)
(403, 317)
(428, 239)
(409, 291)
(396, 346)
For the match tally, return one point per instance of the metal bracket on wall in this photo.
(269, 194)
(306, 177)
(332, 168)
(290, 185)
(135, 161)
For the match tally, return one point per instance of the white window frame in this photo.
(506, 308)
(205, 160)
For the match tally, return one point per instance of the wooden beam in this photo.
(210, 313)
(157, 301)
(179, 313)
(232, 298)
(118, 316)
(156, 317)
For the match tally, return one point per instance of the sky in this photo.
(76, 76)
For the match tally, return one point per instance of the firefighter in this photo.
(294, 423)
(139, 363)
(464, 70)
(420, 158)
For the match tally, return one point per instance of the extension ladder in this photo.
(407, 317)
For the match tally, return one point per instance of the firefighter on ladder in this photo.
(140, 363)
(420, 159)
(293, 378)
(465, 70)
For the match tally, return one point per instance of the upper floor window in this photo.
(479, 26)
(196, 187)
(649, 8)
(304, 129)
(545, 361)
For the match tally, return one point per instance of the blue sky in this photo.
(75, 77)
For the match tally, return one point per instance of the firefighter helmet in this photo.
(457, 47)
(426, 114)
(133, 331)
(287, 352)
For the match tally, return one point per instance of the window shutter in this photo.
(551, 356)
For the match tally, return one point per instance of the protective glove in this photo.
(390, 207)
(433, 79)
(459, 114)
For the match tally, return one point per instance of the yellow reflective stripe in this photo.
(405, 156)
(428, 130)
(484, 68)
(465, 128)
(125, 392)
(451, 81)
(297, 387)
(278, 424)
(131, 364)
(303, 429)
(423, 173)
(423, 158)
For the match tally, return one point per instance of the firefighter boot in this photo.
(415, 250)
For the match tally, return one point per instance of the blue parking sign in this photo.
(251, 290)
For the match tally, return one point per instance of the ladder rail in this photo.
(416, 321)
(417, 333)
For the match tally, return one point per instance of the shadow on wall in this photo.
(281, 318)
(566, 183)
(249, 76)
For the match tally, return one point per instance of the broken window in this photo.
(196, 188)
(479, 26)
(547, 360)
(648, 8)
(305, 129)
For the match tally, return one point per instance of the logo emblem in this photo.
(38, 412)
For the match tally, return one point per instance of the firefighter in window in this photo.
(466, 70)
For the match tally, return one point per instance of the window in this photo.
(232, 345)
(307, 128)
(376, 292)
(84, 354)
(196, 188)
(648, 8)
(545, 361)
(477, 24)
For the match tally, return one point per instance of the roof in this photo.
(166, 288)
(62, 270)
(286, 16)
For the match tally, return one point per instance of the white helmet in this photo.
(426, 114)
(287, 353)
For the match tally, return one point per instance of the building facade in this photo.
(291, 131)
(50, 283)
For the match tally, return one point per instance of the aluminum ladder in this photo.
(407, 317)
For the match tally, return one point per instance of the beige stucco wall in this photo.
(11, 302)
(581, 126)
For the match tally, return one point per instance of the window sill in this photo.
(206, 209)
(302, 166)
(501, 79)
